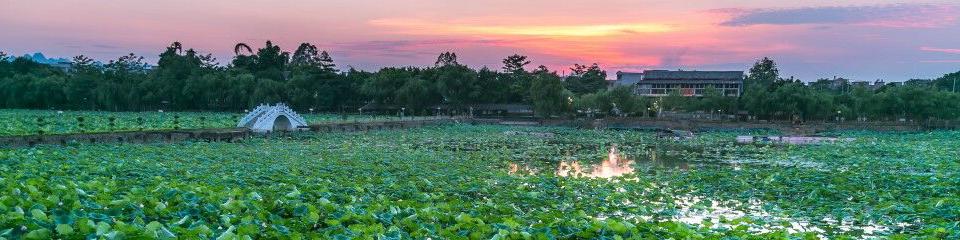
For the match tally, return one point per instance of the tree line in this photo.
(187, 80)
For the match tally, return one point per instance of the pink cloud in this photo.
(940, 61)
(941, 50)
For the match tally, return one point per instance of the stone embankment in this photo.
(706, 125)
(221, 134)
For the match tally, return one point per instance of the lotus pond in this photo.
(487, 182)
(30, 122)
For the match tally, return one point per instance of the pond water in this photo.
(614, 164)
(688, 209)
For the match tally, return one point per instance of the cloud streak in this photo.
(414, 48)
(417, 26)
(941, 50)
(894, 16)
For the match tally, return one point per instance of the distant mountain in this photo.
(40, 58)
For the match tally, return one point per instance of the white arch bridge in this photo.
(270, 118)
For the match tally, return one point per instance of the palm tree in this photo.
(241, 46)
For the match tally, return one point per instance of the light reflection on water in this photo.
(688, 208)
(614, 165)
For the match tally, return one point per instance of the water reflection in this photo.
(615, 164)
(658, 159)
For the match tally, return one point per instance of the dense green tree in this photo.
(447, 58)
(268, 91)
(763, 72)
(271, 62)
(174, 69)
(416, 95)
(326, 62)
(120, 76)
(492, 87)
(675, 102)
(382, 86)
(350, 83)
(458, 84)
(714, 101)
(547, 93)
(306, 55)
(243, 57)
(517, 78)
(44, 92)
(185, 79)
(586, 79)
(515, 63)
(82, 83)
(620, 100)
(949, 82)
(239, 90)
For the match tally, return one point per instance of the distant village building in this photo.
(919, 82)
(658, 83)
(844, 85)
(835, 84)
(868, 85)
(629, 79)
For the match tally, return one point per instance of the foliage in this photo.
(453, 182)
(188, 80)
(584, 79)
(763, 72)
(604, 102)
(31, 122)
(547, 94)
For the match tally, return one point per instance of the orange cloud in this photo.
(415, 26)
(569, 42)
(686, 40)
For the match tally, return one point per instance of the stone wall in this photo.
(225, 135)
(704, 125)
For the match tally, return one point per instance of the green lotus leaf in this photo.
(64, 229)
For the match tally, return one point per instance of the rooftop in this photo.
(692, 75)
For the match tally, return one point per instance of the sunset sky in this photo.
(859, 39)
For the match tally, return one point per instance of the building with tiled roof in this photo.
(657, 83)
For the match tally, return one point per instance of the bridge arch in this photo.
(282, 123)
(267, 118)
